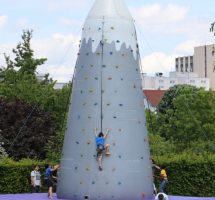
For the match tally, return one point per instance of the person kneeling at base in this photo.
(101, 146)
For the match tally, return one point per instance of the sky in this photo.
(166, 29)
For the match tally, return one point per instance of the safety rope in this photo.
(101, 72)
(20, 130)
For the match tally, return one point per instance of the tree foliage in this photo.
(18, 81)
(25, 129)
(185, 116)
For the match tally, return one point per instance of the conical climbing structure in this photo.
(107, 93)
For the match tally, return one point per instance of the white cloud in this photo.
(156, 13)
(56, 5)
(61, 52)
(3, 20)
(187, 47)
(159, 20)
(158, 62)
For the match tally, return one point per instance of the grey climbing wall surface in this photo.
(107, 93)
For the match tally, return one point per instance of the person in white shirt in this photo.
(161, 196)
(35, 180)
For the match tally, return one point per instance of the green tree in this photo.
(18, 81)
(25, 129)
(186, 116)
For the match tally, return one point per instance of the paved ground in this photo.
(43, 196)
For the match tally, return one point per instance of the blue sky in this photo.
(165, 28)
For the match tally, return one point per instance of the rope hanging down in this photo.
(101, 72)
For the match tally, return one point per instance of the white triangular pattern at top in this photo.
(109, 8)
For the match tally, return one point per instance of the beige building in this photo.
(204, 62)
(201, 63)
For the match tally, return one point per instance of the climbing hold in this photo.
(119, 183)
(113, 169)
(99, 28)
(95, 104)
(103, 65)
(97, 53)
(96, 78)
(90, 91)
(87, 53)
(106, 183)
(111, 53)
(77, 142)
(122, 79)
(81, 182)
(89, 117)
(120, 104)
(114, 144)
(112, 28)
(85, 78)
(79, 116)
(118, 41)
(123, 54)
(82, 155)
(82, 66)
(84, 104)
(81, 92)
(89, 142)
(119, 129)
(87, 169)
(117, 66)
(109, 78)
(141, 158)
(83, 129)
(120, 156)
(76, 168)
(114, 117)
(91, 65)
(108, 104)
(103, 91)
(139, 122)
(93, 182)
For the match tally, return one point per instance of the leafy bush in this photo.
(189, 174)
(15, 176)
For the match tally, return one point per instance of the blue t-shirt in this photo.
(100, 141)
(48, 173)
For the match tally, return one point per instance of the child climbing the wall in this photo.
(101, 147)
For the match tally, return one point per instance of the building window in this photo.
(192, 81)
(160, 81)
(182, 68)
(191, 67)
(186, 67)
(172, 82)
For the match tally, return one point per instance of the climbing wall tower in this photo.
(107, 93)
